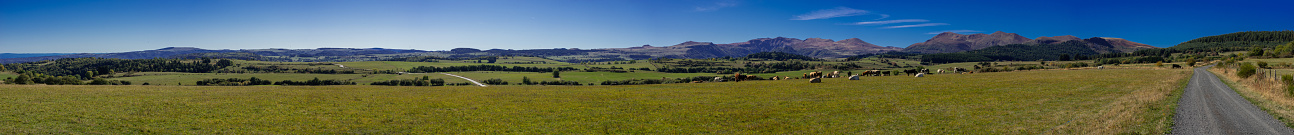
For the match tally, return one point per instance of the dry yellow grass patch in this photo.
(1147, 109)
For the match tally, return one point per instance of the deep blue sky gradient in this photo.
(75, 26)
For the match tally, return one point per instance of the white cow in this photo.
(940, 71)
(1100, 67)
(853, 77)
(815, 80)
(921, 74)
(718, 79)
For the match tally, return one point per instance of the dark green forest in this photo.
(780, 56)
(1069, 50)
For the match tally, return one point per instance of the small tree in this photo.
(99, 81)
(1289, 84)
(1256, 51)
(22, 79)
(557, 73)
(1246, 70)
(1262, 64)
(525, 80)
(1159, 64)
(224, 63)
(2, 68)
(1190, 61)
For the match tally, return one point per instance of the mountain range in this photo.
(947, 42)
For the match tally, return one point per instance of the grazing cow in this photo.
(927, 71)
(910, 71)
(877, 72)
(786, 78)
(751, 77)
(815, 80)
(1177, 66)
(886, 73)
(853, 77)
(940, 71)
(815, 74)
(1100, 67)
(718, 79)
(921, 74)
(959, 70)
(834, 74)
(737, 77)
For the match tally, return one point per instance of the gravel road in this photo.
(465, 78)
(1209, 107)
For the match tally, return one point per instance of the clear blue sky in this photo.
(59, 26)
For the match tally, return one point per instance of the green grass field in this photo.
(1028, 102)
(171, 78)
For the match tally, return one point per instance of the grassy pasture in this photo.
(4, 75)
(171, 78)
(1028, 102)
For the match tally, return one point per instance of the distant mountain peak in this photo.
(179, 48)
(945, 34)
(949, 42)
(817, 40)
(952, 42)
(851, 41)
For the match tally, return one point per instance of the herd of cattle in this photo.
(816, 76)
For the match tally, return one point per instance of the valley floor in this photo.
(1025, 102)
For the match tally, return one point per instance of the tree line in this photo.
(431, 69)
(88, 68)
(424, 81)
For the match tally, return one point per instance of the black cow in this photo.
(1177, 66)
(910, 71)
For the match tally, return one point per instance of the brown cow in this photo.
(814, 74)
(737, 77)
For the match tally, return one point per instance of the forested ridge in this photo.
(1069, 50)
(87, 68)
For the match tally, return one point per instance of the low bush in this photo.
(1246, 69)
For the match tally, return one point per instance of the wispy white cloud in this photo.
(954, 31)
(890, 21)
(916, 25)
(883, 16)
(830, 13)
(717, 6)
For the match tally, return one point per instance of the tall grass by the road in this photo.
(1264, 91)
(1146, 109)
(1027, 102)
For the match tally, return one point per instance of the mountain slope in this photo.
(949, 42)
(813, 47)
